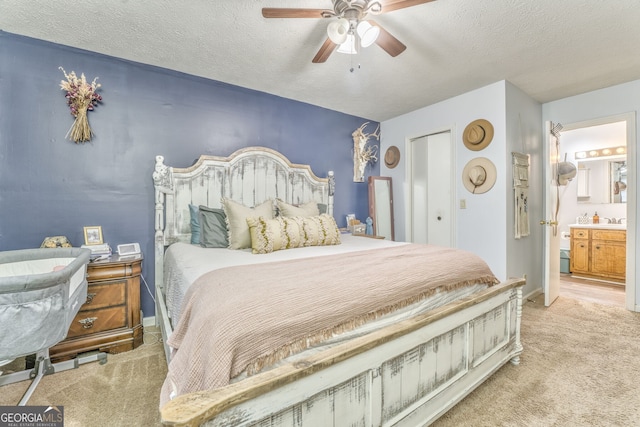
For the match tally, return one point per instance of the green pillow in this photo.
(213, 228)
(194, 211)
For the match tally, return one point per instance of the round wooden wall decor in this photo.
(392, 157)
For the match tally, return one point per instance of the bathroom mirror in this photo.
(381, 206)
(618, 179)
(602, 180)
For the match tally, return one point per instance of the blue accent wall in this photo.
(51, 186)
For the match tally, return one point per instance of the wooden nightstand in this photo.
(110, 319)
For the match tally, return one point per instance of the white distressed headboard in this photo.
(250, 176)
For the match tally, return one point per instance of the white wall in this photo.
(524, 135)
(612, 101)
(487, 222)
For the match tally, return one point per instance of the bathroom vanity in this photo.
(599, 251)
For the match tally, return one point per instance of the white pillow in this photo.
(305, 209)
(237, 214)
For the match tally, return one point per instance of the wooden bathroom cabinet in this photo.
(599, 253)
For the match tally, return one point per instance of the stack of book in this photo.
(99, 250)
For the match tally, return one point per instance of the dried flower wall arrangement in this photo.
(81, 98)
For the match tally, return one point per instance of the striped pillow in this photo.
(265, 235)
(269, 235)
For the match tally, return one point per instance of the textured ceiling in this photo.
(550, 49)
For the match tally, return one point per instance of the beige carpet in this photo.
(123, 392)
(580, 367)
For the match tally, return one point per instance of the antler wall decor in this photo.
(363, 153)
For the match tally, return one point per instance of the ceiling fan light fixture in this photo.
(338, 31)
(368, 33)
(349, 46)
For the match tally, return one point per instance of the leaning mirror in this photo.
(381, 206)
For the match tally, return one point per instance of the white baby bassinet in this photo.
(41, 291)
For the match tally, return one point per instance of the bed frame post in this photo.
(163, 183)
(516, 360)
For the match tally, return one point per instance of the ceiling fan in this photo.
(351, 29)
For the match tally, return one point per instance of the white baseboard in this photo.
(149, 321)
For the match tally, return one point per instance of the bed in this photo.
(421, 334)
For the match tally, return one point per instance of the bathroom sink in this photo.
(605, 226)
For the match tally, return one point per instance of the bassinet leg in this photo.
(43, 366)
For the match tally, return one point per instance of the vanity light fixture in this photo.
(602, 152)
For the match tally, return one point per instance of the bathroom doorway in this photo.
(592, 146)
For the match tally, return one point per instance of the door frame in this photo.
(632, 288)
(408, 149)
(551, 235)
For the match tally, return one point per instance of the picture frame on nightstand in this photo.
(93, 235)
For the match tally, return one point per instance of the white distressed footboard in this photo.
(407, 374)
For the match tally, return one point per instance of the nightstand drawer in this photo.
(92, 321)
(100, 296)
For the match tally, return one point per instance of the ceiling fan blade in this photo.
(391, 5)
(386, 41)
(278, 12)
(325, 51)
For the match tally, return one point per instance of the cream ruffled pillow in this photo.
(305, 209)
(237, 214)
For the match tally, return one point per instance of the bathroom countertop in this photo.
(603, 226)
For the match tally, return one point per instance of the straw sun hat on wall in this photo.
(479, 175)
(392, 157)
(477, 135)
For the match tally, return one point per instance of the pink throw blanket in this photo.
(248, 317)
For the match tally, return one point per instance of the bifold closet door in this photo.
(431, 212)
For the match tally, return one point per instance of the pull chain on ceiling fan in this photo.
(351, 30)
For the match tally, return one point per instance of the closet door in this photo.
(430, 176)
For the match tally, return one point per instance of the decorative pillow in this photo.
(213, 228)
(320, 230)
(304, 210)
(265, 235)
(269, 235)
(194, 211)
(237, 214)
(291, 230)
